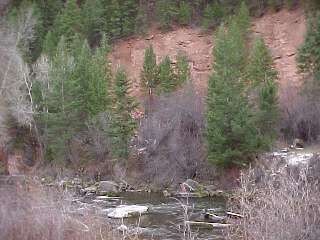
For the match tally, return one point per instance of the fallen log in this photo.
(207, 224)
(235, 215)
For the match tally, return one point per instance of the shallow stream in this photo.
(165, 218)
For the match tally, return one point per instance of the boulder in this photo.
(108, 187)
(125, 211)
(191, 185)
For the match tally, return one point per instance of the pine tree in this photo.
(122, 123)
(67, 23)
(242, 19)
(182, 68)
(166, 78)
(115, 24)
(308, 55)
(165, 13)
(268, 112)
(149, 72)
(99, 81)
(184, 13)
(212, 15)
(262, 76)
(260, 66)
(141, 22)
(129, 13)
(63, 118)
(92, 19)
(50, 43)
(231, 134)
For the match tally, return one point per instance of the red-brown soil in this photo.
(196, 44)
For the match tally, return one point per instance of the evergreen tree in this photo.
(212, 15)
(129, 13)
(182, 68)
(165, 13)
(63, 118)
(66, 24)
(149, 72)
(268, 112)
(141, 22)
(260, 66)
(166, 78)
(99, 81)
(115, 24)
(92, 19)
(49, 44)
(184, 13)
(122, 123)
(231, 134)
(49, 10)
(262, 77)
(309, 55)
(242, 19)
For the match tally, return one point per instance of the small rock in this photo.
(122, 228)
(150, 37)
(91, 189)
(166, 193)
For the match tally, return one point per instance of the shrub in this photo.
(280, 204)
(171, 140)
(30, 212)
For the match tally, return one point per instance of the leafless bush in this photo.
(29, 212)
(301, 115)
(170, 139)
(280, 206)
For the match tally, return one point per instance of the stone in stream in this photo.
(191, 188)
(125, 211)
(106, 187)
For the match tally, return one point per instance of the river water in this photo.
(165, 218)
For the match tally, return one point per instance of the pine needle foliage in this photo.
(123, 124)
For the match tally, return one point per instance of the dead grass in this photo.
(29, 212)
(279, 204)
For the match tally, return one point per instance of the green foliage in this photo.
(149, 72)
(63, 119)
(184, 13)
(76, 92)
(260, 63)
(231, 134)
(28, 20)
(268, 111)
(92, 19)
(99, 80)
(122, 123)
(212, 15)
(262, 76)
(182, 68)
(166, 77)
(68, 23)
(242, 18)
(141, 22)
(129, 11)
(165, 13)
(309, 56)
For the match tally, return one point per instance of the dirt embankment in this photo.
(193, 42)
(283, 32)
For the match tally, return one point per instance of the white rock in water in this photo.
(125, 211)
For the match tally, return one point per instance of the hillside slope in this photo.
(192, 41)
(283, 32)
